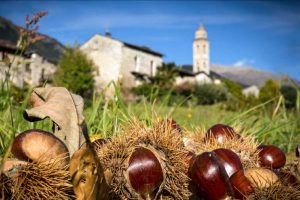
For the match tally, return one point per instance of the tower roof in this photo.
(201, 32)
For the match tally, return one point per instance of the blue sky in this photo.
(262, 34)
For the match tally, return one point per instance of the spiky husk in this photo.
(292, 167)
(5, 187)
(275, 192)
(42, 180)
(244, 147)
(168, 147)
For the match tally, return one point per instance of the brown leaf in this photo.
(88, 176)
(64, 109)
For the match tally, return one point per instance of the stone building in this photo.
(30, 67)
(118, 61)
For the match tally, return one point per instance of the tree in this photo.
(290, 95)
(165, 75)
(269, 90)
(234, 88)
(75, 72)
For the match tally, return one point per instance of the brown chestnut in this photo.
(271, 156)
(36, 145)
(229, 160)
(145, 172)
(241, 185)
(221, 132)
(209, 177)
(190, 157)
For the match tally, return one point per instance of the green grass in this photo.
(270, 126)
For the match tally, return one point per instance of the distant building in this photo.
(30, 67)
(251, 90)
(199, 72)
(119, 61)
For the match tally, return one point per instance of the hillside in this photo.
(48, 48)
(248, 75)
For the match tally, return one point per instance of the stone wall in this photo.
(107, 56)
(138, 61)
(32, 70)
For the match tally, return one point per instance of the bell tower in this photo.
(201, 51)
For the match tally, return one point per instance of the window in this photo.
(204, 48)
(27, 67)
(137, 63)
(204, 65)
(95, 45)
(152, 68)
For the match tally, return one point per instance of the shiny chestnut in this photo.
(271, 156)
(221, 132)
(145, 172)
(241, 185)
(230, 160)
(209, 177)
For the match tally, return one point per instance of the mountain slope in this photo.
(48, 48)
(248, 75)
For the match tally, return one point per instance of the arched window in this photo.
(204, 48)
(204, 64)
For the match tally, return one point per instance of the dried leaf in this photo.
(88, 176)
(64, 109)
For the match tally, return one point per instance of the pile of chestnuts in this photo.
(219, 173)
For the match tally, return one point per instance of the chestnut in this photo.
(36, 145)
(271, 156)
(241, 185)
(190, 157)
(229, 160)
(220, 132)
(144, 172)
(209, 177)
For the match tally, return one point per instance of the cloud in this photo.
(244, 62)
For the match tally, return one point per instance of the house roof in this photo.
(132, 46)
(11, 47)
(187, 70)
(8, 46)
(143, 48)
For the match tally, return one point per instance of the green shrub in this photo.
(210, 94)
(75, 72)
(290, 96)
(269, 90)
(234, 88)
